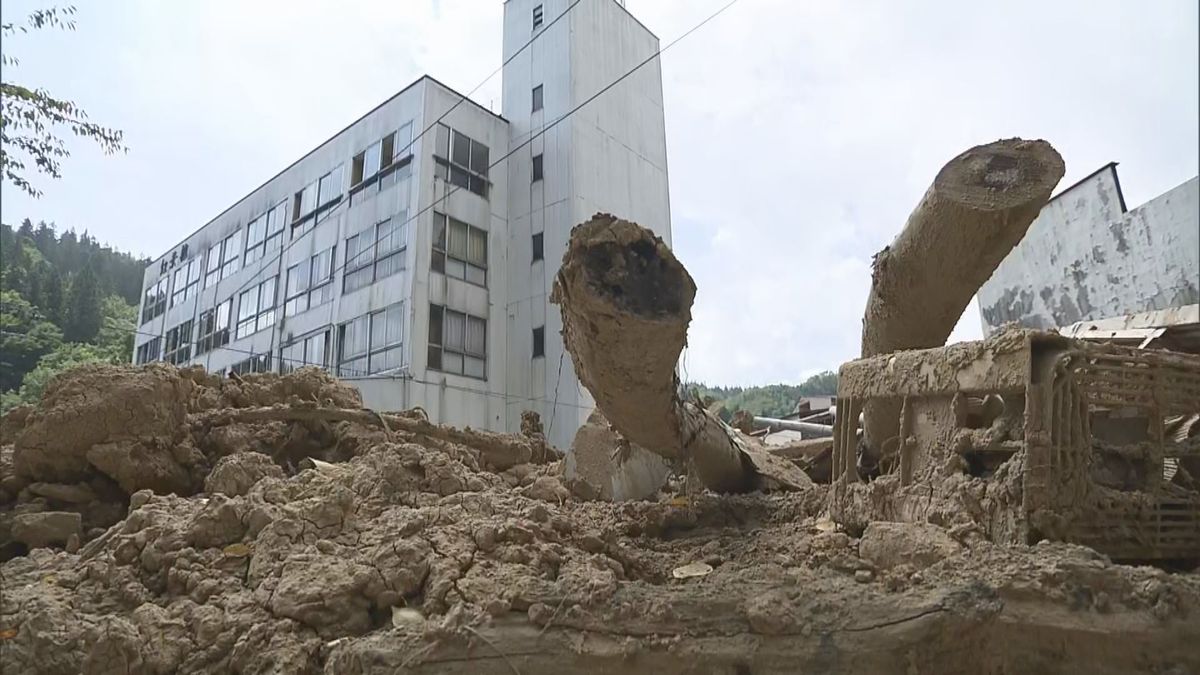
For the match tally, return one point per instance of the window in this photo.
(265, 233)
(537, 17)
(537, 246)
(256, 308)
(187, 281)
(255, 364)
(223, 259)
(372, 255)
(537, 168)
(457, 342)
(179, 343)
(149, 351)
(382, 165)
(459, 250)
(214, 327)
(304, 202)
(539, 342)
(312, 350)
(154, 302)
(460, 161)
(309, 283)
(329, 187)
(372, 343)
(537, 98)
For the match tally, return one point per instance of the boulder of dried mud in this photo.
(12, 422)
(886, 545)
(97, 404)
(73, 493)
(37, 530)
(236, 474)
(163, 468)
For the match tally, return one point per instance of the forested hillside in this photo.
(65, 299)
(773, 400)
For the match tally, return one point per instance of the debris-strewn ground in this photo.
(185, 527)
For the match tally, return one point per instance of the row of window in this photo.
(382, 165)
(367, 345)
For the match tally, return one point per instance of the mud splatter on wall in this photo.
(1087, 257)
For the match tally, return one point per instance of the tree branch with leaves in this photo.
(30, 118)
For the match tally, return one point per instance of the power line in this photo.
(523, 144)
(346, 199)
(505, 157)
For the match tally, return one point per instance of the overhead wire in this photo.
(454, 188)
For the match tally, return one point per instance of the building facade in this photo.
(418, 266)
(1087, 257)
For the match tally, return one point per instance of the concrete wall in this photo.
(609, 156)
(1086, 257)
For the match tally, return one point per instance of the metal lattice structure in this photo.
(1054, 438)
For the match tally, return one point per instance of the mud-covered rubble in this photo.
(380, 553)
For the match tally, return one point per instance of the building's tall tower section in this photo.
(609, 156)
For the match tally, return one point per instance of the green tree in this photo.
(25, 337)
(30, 117)
(83, 307)
(67, 356)
(117, 326)
(53, 296)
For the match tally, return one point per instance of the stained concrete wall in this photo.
(608, 156)
(1086, 257)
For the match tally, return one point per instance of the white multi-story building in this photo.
(418, 266)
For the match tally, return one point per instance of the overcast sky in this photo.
(800, 134)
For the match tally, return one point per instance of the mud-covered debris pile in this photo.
(304, 538)
(103, 433)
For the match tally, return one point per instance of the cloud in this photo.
(800, 134)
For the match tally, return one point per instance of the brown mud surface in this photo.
(161, 521)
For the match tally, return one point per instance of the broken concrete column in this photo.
(979, 207)
(615, 469)
(626, 304)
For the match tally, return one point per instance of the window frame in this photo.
(539, 342)
(539, 16)
(321, 292)
(143, 355)
(472, 176)
(186, 271)
(539, 169)
(222, 258)
(216, 335)
(177, 347)
(286, 362)
(443, 246)
(538, 99)
(154, 299)
(538, 242)
(370, 350)
(367, 255)
(261, 318)
(257, 363)
(272, 227)
(439, 340)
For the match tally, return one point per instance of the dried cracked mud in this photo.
(158, 521)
